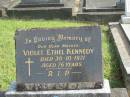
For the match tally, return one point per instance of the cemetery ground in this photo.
(7, 48)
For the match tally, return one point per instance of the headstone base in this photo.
(125, 19)
(104, 92)
(39, 5)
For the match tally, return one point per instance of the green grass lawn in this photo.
(7, 48)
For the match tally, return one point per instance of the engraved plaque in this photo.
(68, 55)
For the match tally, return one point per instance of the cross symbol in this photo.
(29, 62)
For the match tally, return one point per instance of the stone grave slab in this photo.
(93, 4)
(69, 58)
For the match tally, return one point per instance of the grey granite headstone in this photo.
(93, 4)
(68, 58)
(39, 1)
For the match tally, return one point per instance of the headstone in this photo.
(93, 4)
(126, 18)
(63, 62)
(47, 9)
(59, 56)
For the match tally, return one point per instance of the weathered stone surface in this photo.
(104, 92)
(5, 4)
(76, 7)
(4, 12)
(125, 19)
(119, 92)
(127, 8)
(115, 92)
(8, 3)
(100, 16)
(58, 86)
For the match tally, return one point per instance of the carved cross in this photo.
(29, 62)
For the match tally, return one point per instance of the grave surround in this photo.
(122, 45)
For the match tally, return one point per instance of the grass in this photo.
(7, 48)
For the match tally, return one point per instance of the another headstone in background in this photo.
(47, 9)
